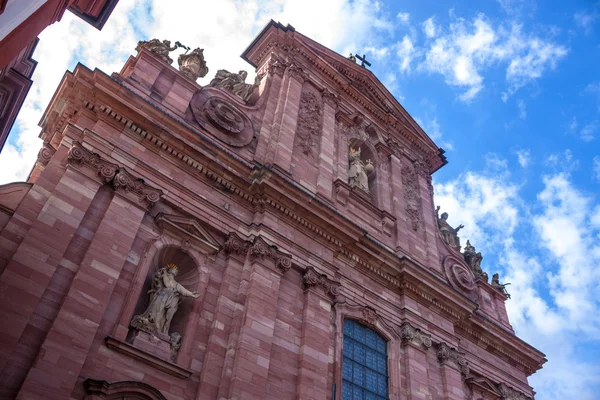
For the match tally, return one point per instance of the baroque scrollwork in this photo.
(369, 316)
(309, 122)
(446, 353)
(235, 245)
(312, 278)
(410, 334)
(129, 184)
(45, 153)
(79, 155)
(410, 181)
(261, 250)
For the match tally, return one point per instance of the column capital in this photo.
(296, 72)
(329, 98)
(312, 278)
(414, 336)
(261, 250)
(135, 188)
(91, 163)
(445, 354)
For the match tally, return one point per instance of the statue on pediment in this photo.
(161, 49)
(500, 286)
(358, 173)
(473, 260)
(193, 64)
(235, 83)
(449, 234)
(165, 296)
(352, 58)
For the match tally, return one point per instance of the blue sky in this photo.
(511, 90)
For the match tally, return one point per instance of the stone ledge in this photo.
(145, 357)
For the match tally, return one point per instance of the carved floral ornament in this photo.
(410, 181)
(446, 354)
(312, 278)
(258, 249)
(309, 123)
(110, 173)
(410, 334)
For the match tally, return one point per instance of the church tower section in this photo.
(264, 238)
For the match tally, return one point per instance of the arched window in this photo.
(364, 364)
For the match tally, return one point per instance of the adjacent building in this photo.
(266, 240)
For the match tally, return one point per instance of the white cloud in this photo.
(588, 132)
(468, 48)
(494, 162)
(522, 109)
(406, 53)
(404, 17)
(524, 157)
(429, 28)
(563, 161)
(596, 168)
(550, 257)
(432, 128)
(586, 21)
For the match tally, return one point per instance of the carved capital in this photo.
(129, 185)
(329, 98)
(235, 245)
(509, 393)
(276, 66)
(312, 278)
(45, 154)
(446, 353)
(297, 73)
(262, 250)
(412, 335)
(79, 155)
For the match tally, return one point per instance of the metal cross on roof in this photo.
(363, 61)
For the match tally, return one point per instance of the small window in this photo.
(364, 367)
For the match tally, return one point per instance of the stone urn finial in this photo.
(193, 64)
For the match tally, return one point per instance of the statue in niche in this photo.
(235, 83)
(473, 260)
(161, 49)
(449, 234)
(193, 64)
(165, 296)
(358, 173)
(500, 286)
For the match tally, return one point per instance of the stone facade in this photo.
(250, 199)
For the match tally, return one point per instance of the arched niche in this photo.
(124, 390)
(188, 276)
(367, 152)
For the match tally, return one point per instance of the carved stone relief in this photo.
(410, 181)
(312, 278)
(446, 353)
(410, 334)
(460, 276)
(193, 64)
(309, 123)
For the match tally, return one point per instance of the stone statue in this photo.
(175, 345)
(235, 83)
(449, 234)
(358, 172)
(473, 260)
(352, 58)
(500, 286)
(165, 296)
(155, 46)
(192, 64)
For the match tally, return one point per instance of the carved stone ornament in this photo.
(329, 98)
(193, 64)
(359, 171)
(449, 234)
(156, 47)
(235, 83)
(308, 129)
(509, 393)
(410, 181)
(501, 287)
(79, 155)
(297, 73)
(460, 276)
(369, 316)
(312, 278)
(221, 117)
(410, 334)
(236, 245)
(261, 249)
(98, 390)
(45, 154)
(446, 353)
(473, 260)
(131, 185)
(165, 296)
(175, 345)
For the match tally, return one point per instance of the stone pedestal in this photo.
(157, 344)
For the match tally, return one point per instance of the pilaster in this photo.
(251, 366)
(398, 204)
(319, 294)
(415, 344)
(326, 156)
(453, 368)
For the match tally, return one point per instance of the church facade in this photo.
(267, 240)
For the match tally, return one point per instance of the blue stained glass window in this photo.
(364, 365)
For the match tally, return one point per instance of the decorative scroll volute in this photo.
(262, 250)
(414, 336)
(446, 354)
(312, 278)
(130, 185)
(80, 156)
(45, 154)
